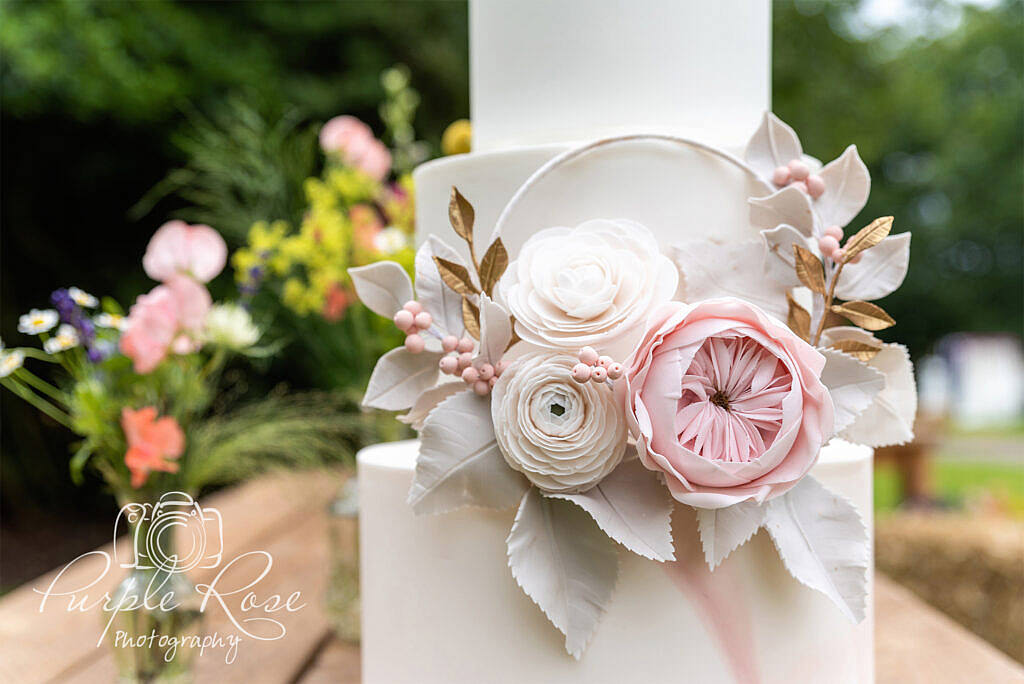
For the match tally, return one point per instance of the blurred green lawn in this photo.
(1000, 485)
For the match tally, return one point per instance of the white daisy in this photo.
(66, 338)
(38, 321)
(10, 362)
(111, 320)
(231, 326)
(83, 298)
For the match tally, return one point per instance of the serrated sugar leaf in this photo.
(565, 563)
(384, 287)
(428, 401)
(459, 463)
(723, 530)
(852, 384)
(633, 507)
(773, 144)
(441, 301)
(823, 543)
(400, 377)
(890, 417)
(847, 186)
(879, 272)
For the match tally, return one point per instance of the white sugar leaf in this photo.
(823, 543)
(443, 303)
(880, 271)
(789, 205)
(779, 259)
(722, 530)
(428, 401)
(384, 287)
(774, 144)
(633, 507)
(737, 269)
(459, 463)
(495, 331)
(853, 385)
(399, 378)
(890, 417)
(565, 563)
(847, 185)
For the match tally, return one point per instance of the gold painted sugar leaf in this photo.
(494, 263)
(471, 317)
(455, 276)
(461, 215)
(858, 350)
(799, 319)
(865, 314)
(867, 237)
(809, 269)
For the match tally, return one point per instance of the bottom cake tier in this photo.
(440, 604)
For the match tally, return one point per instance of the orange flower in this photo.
(151, 442)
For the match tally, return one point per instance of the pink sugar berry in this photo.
(423, 320)
(828, 244)
(413, 307)
(492, 382)
(799, 170)
(856, 259)
(588, 356)
(835, 231)
(615, 371)
(481, 387)
(465, 345)
(449, 343)
(838, 254)
(404, 320)
(800, 185)
(815, 185)
(605, 361)
(781, 176)
(599, 374)
(581, 372)
(414, 343)
(465, 361)
(470, 374)
(449, 365)
(486, 371)
(500, 368)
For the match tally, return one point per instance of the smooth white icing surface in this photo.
(440, 605)
(576, 70)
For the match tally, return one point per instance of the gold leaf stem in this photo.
(828, 303)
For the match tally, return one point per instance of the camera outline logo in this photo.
(153, 544)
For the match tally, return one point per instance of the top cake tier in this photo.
(575, 70)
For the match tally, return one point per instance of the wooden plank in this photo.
(916, 644)
(336, 663)
(253, 513)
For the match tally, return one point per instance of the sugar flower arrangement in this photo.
(138, 388)
(592, 381)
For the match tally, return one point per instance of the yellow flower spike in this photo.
(457, 138)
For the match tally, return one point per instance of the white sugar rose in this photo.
(593, 285)
(564, 436)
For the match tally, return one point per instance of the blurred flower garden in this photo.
(284, 135)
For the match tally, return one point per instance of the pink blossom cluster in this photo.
(352, 141)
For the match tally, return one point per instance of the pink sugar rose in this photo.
(167, 319)
(176, 247)
(353, 142)
(726, 402)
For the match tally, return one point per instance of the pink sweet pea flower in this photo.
(726, 402)
(151, 442)
(178, 248)
(167, 319)
(353, 143)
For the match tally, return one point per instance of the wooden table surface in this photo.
(285, 515)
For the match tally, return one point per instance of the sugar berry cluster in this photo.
(797, 173)
(829, 245)
(460, 362)
(596, 368)
(413, 320)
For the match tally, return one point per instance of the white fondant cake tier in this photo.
(576, 70)
(440, 605)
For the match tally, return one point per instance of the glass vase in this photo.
(343, 586)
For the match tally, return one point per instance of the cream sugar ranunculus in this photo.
(593, 285)
(564, 436)
(726, 402)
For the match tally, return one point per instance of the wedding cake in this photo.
(639, 356)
